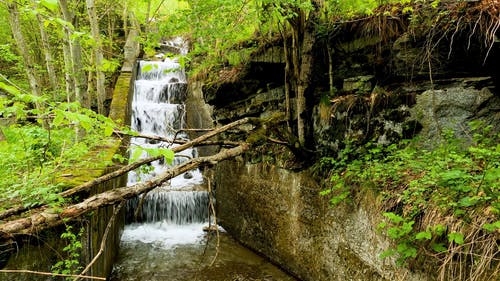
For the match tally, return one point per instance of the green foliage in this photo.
(168, 154)
(32, 155)
(71, 264)
(50, 4)
(218, 29)
(453, 178)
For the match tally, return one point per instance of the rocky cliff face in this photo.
(383, 91)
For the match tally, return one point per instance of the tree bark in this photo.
(20, 41)
(75, 75)
(47, 51)
(330, 70)
(306, 66)
(157, 138)
(98, 56)
(48, 218)
(88, 185)
(287, 82)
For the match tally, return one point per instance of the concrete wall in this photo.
(280, 214)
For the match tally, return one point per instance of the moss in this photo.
(119, 105)
(258, 137)
(94, 165)
(359, 43)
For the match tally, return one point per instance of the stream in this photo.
(163, 238)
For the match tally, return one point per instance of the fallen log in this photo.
(125, 169)
(133, 166)
(48, 218)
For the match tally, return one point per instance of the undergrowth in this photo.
(440, 206)
(34, 154)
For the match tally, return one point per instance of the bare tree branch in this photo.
(88, 185)
(48, 273)
(48, 218)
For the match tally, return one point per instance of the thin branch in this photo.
(177, 141)
(88, 185)
(103, 241)
(46, 219)
(212, 209)
(48, 273)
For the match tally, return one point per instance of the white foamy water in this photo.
(163, 235)
(167, 216)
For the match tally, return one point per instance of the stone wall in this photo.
(379, 96)
(281, 215)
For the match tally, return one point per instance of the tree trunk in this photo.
(88, 185)
(20, 41)
(48, 218)
(306, 67)
(148, 14)
(98, 56)
(68, 68)
(75, 74)
(287, 82)
(125, 18)
(47, 52)
(330, 70)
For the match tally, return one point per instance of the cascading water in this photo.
(173, 210)
(164, 240)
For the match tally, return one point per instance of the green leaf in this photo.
(149, 67)
(468, 201)
(58, 119)
(406, 250)
(50, 4)
(168, 154)
(427, 235)
(456, 237)
(136, 153)
(394, 232)
(439, 247)
(439, 229)
(9, 89)
(335, 200)
(108, 130)
(393, 217)
(325, 192)
(387, 253)
(492, 226)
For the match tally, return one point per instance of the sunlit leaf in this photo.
(427, 235)
(492, 226)
(52, 5)
(168, 154)
(393, 217)
(456, 237)
(10, 89)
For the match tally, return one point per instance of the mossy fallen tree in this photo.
(50, 218)
(201, 140)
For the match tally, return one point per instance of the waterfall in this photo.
(174, 212)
